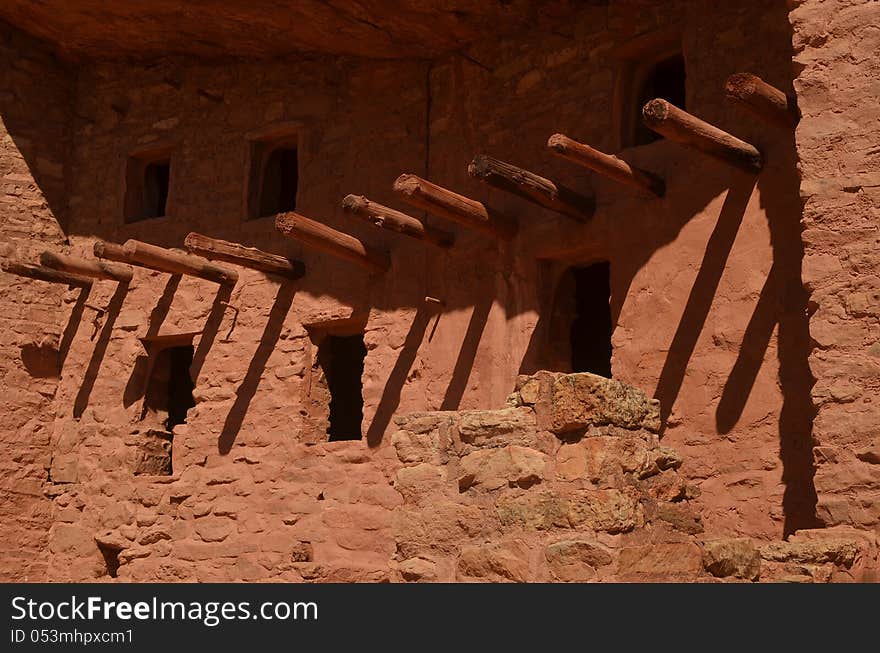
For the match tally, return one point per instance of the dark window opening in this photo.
(342, 360)
(156, 177)
(147, 182)
(665, 80)
(273, 174)
(280, 179)
(169, 391)
(590, 333)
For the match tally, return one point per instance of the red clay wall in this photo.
(836, 45)
(706, 291)
(35, 97)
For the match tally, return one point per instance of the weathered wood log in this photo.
(248, 257)
(688, 130)
(86, 268)
(174, 262)
(45, 274)
(110, 251)
(326, 239)
(383, 216)
(444, 203)
(532, 187)
(761, 99)
(605, 164)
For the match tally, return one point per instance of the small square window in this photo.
(274, 176)
(147, 183)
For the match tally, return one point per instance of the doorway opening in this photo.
(342, 360)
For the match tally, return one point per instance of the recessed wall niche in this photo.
(273, 173)
(147, 184)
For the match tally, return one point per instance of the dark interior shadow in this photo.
(702, 293)
(72, 326)
(466, 356)
(397, 379)
(85, 390)
(248, 387)
(137, 380)
(210, 330)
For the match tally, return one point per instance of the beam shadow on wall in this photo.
(210, 330)
(702, 293)
(110, 315)
(137, 380)
(72, 326)
(397, 379)
(248, 387)
(783, 302)
(464, 364)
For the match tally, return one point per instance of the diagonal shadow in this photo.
(85, 390)
(248, 387)
(137, 380)
(209, 331)
(748, 363)
(702, 293)
(466, 356)
(72, 326)
(397, 379)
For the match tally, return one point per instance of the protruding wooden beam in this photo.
(86, 268)
(248, 257)
(761, 99)
(110, 251)
(45, 274)
(605, 164)
(168, 260)
(430, 197)
(383, 216)
(532, 187)
(326, 239)
(688, 130)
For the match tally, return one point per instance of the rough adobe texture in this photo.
(710, 314)
(836, 45)
(34, 343)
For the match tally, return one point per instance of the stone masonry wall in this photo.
(35, 103)
(707, 299)
(571, 484)
(837, 44)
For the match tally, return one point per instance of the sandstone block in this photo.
(497, 427)
(583, 400)
(491, 469)
(738, 557)
(441, 526)
(302, 552)
(421, 481)
(417, 447)
(683, 559)
(575, 560)
(418, 570)
(503, 562)
(608, 510)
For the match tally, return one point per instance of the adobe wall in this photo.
(35, 100)
(706, 293)
(837, 45)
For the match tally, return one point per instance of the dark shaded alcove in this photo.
(665, 79)
(342, 360)
(590, 332)
(169, 390)
(147, 184)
